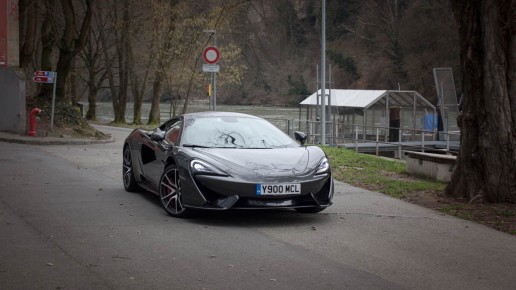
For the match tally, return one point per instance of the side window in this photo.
(168, 124)
(173, 133)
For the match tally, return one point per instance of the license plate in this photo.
(278, 189)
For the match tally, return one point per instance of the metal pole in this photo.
(323, 73)
(422, 140)
(364, 124)
(317, 95)
(53, 102)
(211, 97)
(414, 117)
(214, 77)
(399, 142)
(213, 81)
(330, 82)
(356, 138)
(214, 88)
(377, 140)
(387, 118)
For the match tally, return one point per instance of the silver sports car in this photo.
(221, 161)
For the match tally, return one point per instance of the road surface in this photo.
(67, 223)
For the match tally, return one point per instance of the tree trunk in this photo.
(29, 20)
(137, 88)
(69, 45)
(108, 61)
(154, 114)
(63, 69)
(47, 42)
(72, 84)
(47, 47)
(486, 164)
(123, 65)
(92, 104)
(92, 93)
(137, 102)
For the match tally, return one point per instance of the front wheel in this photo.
(170, 192)
(128, 173)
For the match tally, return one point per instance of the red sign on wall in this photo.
(3, 33)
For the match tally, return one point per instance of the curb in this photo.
(45, 141)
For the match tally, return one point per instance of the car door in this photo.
(155, 152)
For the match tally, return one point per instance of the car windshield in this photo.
(234, 132)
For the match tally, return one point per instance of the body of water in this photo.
(285, 118)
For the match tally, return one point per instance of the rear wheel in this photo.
(170, 192)
(127, 171)
(310, 209)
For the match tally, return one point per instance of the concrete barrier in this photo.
(436, 166)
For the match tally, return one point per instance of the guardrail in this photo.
(382, 138)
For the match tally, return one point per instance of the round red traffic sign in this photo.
(211, 55)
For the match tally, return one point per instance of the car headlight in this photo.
(324, 166)
(201, 167)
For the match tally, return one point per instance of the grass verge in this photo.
(379, 174)
(389, 176)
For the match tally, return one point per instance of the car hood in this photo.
(260, 163)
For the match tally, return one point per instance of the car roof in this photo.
(207, 114)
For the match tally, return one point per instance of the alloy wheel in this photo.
(170, 191)
(127, 168)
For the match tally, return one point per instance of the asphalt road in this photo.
(67, 223)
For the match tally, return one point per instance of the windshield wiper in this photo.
(196, 146)
(257, 147)
(202, 146)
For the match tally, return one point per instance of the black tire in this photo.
(310, 209)
(127, 172)
(170, 192)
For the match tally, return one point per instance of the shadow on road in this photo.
(258, 218)
(245, 218)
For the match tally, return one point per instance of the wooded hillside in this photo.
(128, 50)
(373, 44)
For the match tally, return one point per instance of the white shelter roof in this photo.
(348, 98)
(365, 98)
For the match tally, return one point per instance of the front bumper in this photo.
(222, 193)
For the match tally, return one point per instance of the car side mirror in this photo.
(300, 136)
(157, 135)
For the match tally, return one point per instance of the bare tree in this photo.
(119, 25)
(30, 18)
(181, 70)
(163, 26)
(383, 20)
(96, 74)
(486, 164)
(104, 26)
(71, 23)
(139, 86)
(157, 88)
(143, 55)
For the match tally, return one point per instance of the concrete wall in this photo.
(436, 166)
(12, 101)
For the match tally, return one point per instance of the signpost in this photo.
(46, 80)
(211, 56)
(42, 73)
(44, 77)
(47, 77)
(213, 68)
